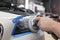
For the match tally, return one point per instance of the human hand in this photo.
(45, 23)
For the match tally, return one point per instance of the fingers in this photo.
(37, 18)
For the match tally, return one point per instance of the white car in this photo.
(10, 31)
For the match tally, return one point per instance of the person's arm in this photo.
(48, 24)
(56, 28)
